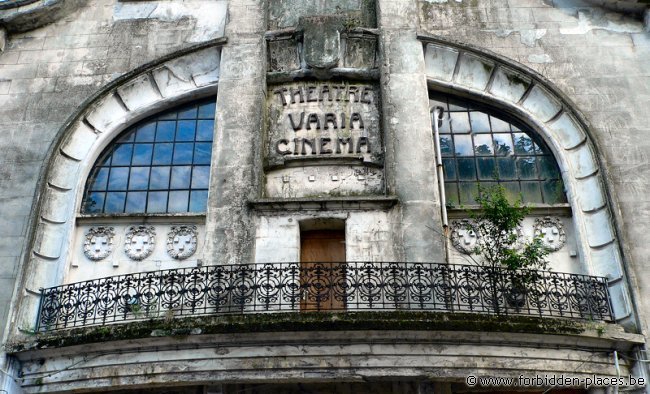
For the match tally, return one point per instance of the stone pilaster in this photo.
(411, 171)
(234, 179)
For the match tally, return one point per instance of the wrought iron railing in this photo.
(354, 286)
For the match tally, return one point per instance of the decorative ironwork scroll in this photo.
(355, 286)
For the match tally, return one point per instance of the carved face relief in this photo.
(139, 242)
(98, 243)
(463, 236)
(551, 231)
(181, 242)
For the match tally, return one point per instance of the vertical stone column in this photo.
(234, 179)
(410, 159)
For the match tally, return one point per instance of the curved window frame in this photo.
(508, 125)
(146, 136)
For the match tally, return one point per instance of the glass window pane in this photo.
(513, 191)
(159, 178)
(162, 153)
(185, 130)
(206, 111)
(460, 122)
(466, 169)
(142, 154)
(146, 133)
(451, 193)
(94, 203)
(181, 177)
(486, 168)
(449, 169)
(157, 202)
(547, 168)
(526, 167)
(503, 144)
(445, 127)
(480, 122)
(553, 192)
(198, 200)
(99, 179)
(178, 201)
(114, 202)
(139, 179)
(119, 178)
(531, 192)
(506, 168)
(499, 125)
(135, 202)
(183, 153)
(204, 130)
(187, 113)
(122, 155)
(463, 145)
(165, 131)
(446, 146)
(483, 144)
(202, 152)
(468, 192)
(200, 177)
(523, 144)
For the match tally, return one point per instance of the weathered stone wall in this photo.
(47, 73)
(599, 60)
(596, 57)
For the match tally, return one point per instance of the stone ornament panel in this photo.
(551, 231)
(181, 242)
(139, 242)
(465, 237)
(501, 82)
(98, 243)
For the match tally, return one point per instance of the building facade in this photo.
(224, 196)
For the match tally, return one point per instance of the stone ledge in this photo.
(324, 203)
(465, 325)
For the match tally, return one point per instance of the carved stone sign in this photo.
(309, 120)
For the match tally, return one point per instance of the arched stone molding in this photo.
(523, 93)
(184, 76)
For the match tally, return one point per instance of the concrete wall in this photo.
(596, 57)
(599, 60)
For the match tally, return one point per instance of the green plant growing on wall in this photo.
(496, 225)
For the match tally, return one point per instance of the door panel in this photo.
(321, 255)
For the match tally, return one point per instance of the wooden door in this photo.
(322, 256)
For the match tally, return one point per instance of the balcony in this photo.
(323, 287)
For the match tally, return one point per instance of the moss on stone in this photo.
(286, 322)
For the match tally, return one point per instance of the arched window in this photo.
(481, 147)
(159, 165)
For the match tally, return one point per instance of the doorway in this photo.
(322, 269)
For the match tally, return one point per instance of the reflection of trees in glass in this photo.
(445, 145)
(524, 144)
(502, 149)
(482, 149)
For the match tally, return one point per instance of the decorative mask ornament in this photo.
(181, 242)
(98, 243)
(139, 242)
(551, 231)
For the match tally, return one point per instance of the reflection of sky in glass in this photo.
(480, 147)
(159, 165)
(463, 144)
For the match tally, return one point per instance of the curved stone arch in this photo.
(523, 93)
(187, 75)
